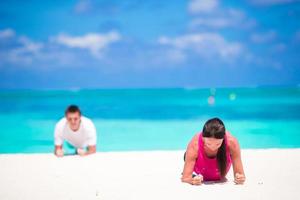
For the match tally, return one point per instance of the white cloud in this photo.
(57, 51)
(202, 6)
(94, 42)
(25, 52)
(20, 49)
(175, 56)
(223, 18)
(271, 2)
(211, 22)
(207, 45)
(7, 33)
(235, 13)
(82, 6)
(29, 45)
(263, 37)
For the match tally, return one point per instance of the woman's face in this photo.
(212, 144)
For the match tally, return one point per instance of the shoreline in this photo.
(141, 151)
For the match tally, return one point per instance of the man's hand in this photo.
(239, 178)
(59, 152)
(81, 152)
(197, 180)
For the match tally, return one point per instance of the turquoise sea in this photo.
(152, 119)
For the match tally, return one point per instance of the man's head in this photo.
(73, 116)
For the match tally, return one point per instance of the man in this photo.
(77, 130)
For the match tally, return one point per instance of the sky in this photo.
(54, 44)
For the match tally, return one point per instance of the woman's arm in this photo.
(190, 159)
(235, 151)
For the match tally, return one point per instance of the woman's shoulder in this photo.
(193, 145)
(232, 142)
(195, 139)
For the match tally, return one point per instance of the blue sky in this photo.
(145, 44)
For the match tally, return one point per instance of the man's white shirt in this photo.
(83, 137)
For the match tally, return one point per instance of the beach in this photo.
(137, 83)
(271, 174)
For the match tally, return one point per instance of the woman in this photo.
(209, 155)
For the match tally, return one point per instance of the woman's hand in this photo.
(235, 151)
(239, 178)
(197, 180)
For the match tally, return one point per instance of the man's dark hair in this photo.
(72, 109)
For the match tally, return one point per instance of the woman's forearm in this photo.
(187, 179)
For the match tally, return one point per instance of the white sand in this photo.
(271, 174)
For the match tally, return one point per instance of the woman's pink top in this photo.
(208, 167)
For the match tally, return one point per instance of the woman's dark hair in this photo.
(72, 109)
(214, 128)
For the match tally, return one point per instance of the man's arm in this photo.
(58, 139)
(58, 151)
(190, 160)
(91, 140)
(238, 170)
